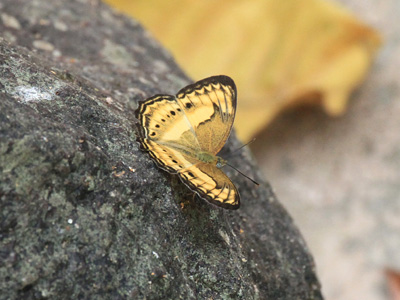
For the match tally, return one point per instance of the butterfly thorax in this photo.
(210, 158)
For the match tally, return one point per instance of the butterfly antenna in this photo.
(253, 181)
(241, 147)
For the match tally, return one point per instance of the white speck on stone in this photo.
(60, 26)
(76, 226)
(44, 22)
(43, 45)
(155, 254)
(9, 36)
(45, 293)
(10, 21)
(30, 93)
(133, 90)
(70, 221)
(112, 194)
(144, 80)
(117, 54)
(109, 100)
(57, 53)
(160, 66)
(45, 139)
(225, 236)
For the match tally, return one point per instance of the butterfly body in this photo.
(183, 134)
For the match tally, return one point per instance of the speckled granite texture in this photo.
(84, 214)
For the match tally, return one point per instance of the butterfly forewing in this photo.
(162, 120)
(210, 107)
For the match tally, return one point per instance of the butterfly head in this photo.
(210, 159)
(220, 162)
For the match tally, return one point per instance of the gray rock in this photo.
(84, 213)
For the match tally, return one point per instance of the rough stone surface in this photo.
(84, 214)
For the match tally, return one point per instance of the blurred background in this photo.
(319, 87)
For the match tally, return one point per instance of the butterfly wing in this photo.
(211, 184)
(162, 120)
(167, 158)
(210, 107)
(173, 129)
(206, 180)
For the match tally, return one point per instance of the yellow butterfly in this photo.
(183, 134)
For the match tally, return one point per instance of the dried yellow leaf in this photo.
(280, 53)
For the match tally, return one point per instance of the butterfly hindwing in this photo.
(168, 158)
(211, 184)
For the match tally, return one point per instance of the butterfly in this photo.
(183, 134)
